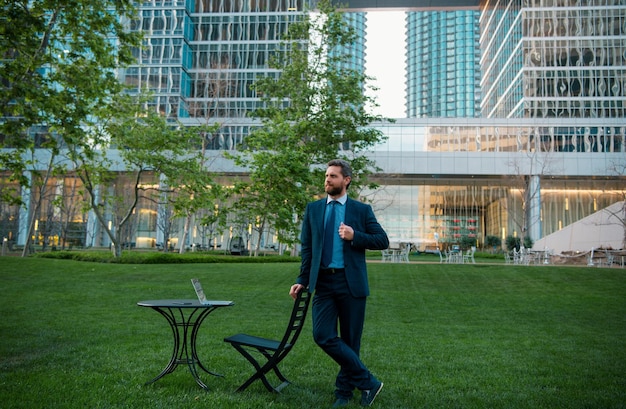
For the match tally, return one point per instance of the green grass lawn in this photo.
(439, 336)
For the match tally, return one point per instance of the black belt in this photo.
(332, 270)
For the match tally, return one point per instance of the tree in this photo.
(165, 220)
(467, 242)
(211, 223)
(125, 135)
(196, 191)
(38, 183)
(494, 242)
(60, 59)
(281, 174)
(69, 209)
(513, 243)
(527, 175)
(315, 110)
(58, 62)
(58, 66)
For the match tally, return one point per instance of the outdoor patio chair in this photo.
(443, 257)
(517, 256)
(273, 351)
(387, 255)
(609, 259)
(403, 255)
(469, 256)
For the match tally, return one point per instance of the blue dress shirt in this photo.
(340, 217)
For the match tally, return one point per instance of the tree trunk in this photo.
(181, 248)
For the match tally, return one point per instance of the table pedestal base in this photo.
(185, 319)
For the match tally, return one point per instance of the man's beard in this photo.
(333, 190)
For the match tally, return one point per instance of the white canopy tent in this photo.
(603, 229)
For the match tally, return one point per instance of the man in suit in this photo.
(333, 266)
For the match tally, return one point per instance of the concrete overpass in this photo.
(407, 5)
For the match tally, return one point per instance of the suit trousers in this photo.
(334, 305)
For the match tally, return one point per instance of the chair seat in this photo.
(257, 342)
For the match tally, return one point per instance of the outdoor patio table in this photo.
(395, 255)
(185, 318)
(456, 255)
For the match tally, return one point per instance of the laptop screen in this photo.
(199, 291)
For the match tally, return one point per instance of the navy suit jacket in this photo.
(368, 234)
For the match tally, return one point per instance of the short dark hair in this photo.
(346, 169)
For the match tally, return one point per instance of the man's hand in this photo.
(346, 232)
(295, 289)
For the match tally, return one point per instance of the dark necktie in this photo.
(329, 235)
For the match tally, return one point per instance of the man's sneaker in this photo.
(341, 402)
(367, 397)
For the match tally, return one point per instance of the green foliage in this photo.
(126, 134)
(528, 242)
(152, 257)
(516, 243)
(490, 336)
(467, 242)
(276, 193)
(314, 111)
(59, 61)
(512, 243)
(488, 257)
(493, 242)
(327, 102)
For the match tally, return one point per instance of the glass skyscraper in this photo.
(201, 57)
(443, 75)
(553, 59)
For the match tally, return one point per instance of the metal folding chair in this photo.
(274, 351)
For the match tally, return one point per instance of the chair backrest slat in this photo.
(296, 321)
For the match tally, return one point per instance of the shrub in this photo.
(513, 243)
(528, 242)
(137, 257)
(493, 242)
(467, 242)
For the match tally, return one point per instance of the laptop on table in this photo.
(197, 286)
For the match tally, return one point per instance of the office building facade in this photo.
(553, 59)
(543, 148)
(551, 94)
